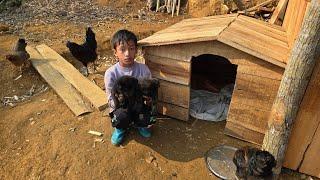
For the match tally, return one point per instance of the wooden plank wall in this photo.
(304, 143)
(169, 69)
(250, 106)
(257, 83)
(174, 91)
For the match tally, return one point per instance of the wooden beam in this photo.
(61, 86)
(169, 69)
(174, 111)
(87, 88)
(279, 12)
(293, 85)
(256, 7)
(174, 93)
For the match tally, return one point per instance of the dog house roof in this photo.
(261, 39)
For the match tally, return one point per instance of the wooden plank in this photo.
(298, 24)
(305, 125)
(169, 69)
(243, 133)
(87, 88)
(246, 63)
(278, 13)
(248, 117)
(255, 91)
(258, 42)
(260, 69)
(265, 30)
(189, 31)
(184, 26)
(288, 14)
(293, 20)
(178, 38)
(261, 46)
(258, 22)
(225, 16)
(61, 86)
(173, 111)
(184, 29)
(244, 45)
(250, 106)
(174, 93)
(262, 34)
(310, 164)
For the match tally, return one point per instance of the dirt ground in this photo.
(40, 138)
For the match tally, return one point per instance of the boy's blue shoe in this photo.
(145, 132)
(117, 136)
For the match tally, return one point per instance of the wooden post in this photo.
(293, 85)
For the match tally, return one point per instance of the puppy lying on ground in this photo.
(253, 163)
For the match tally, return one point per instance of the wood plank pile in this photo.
(72, 87)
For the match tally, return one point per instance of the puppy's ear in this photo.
(239, 158)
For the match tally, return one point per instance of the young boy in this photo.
(124, 45)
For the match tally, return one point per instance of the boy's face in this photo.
(126, 52)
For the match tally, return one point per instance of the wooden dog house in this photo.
(260, 50)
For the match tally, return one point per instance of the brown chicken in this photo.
(19, 56)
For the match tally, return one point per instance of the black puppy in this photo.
(126, 92)
(148, 112)
(253, 163)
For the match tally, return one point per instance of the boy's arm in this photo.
(147, 72)
(109, 82)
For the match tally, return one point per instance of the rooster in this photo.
(253, 163)
(19, 56)
(86, 52)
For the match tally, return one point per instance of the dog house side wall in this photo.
(304, 142)
(174, 91)
(256, 84)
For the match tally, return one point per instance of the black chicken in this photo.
(85, 52)
(253, 163)
(19, 56)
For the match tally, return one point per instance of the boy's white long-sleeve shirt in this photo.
(137, 70)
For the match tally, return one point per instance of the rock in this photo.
(155, 164)
(62, 13)
(150, 158)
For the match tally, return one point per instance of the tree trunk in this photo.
(293, 85)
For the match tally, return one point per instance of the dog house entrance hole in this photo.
(212, 81)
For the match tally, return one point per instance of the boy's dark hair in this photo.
(123, 35)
